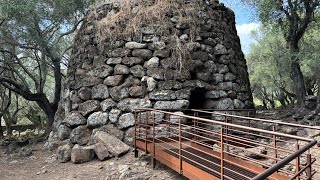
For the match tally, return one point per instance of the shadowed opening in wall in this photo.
(197, 98)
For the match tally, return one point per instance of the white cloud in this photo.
(244, 32)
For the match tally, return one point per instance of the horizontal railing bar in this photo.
(258, 119)
(260, 144)
(231, 125)
(285, 161)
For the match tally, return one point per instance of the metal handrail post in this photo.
(146, 133)
(309, 175)
(180, 146)
(274, 137)
(221, 154)
(153, 162)
(135, 135)
(297, 160)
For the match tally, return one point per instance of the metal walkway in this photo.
(207, 144)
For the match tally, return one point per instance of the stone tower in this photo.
(160, 54)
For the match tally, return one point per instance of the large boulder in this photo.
(114, 145)
(101, 151)
(112, 130)
(80, 135)
(74, 119)
(89, 106)
(108, 104)
(130, 104)
(126, 120)
(100, 92)
(98, 119)
(179, 104)
(64, 132)
(81, 154)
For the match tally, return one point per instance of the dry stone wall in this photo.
(107, 80)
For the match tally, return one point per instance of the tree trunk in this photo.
(50, 112)
(1, 131)
(296, 74)
(318, 100)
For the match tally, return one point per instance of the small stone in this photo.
(89, 106)
(130, 61)
(114, 115)
(119, 52)
(114, 60)
(184, 37)
(220, 49)
(101, 71)
(137, 71)
(179, 104)
(238, 104)
(151, 83)
(162, 95)
(137, 91)
(152, 63)
(130, 104)
(121, 69)
(143, 53)
(135, 45)
(108, 104)
(85, 93)
(118, 93)
(100, 92)
(164, 53)
(156, 73)
(216, 94)
(113, 80)
(158, 45)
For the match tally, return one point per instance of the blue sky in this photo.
(245, 22)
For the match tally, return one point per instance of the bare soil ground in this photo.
(43, 165)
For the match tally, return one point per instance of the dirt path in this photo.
(42, 165)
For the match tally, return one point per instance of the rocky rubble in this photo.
(106, 81)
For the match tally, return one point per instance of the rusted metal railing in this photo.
(202, 148)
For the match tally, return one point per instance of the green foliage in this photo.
(269, 65)
(35, 42)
